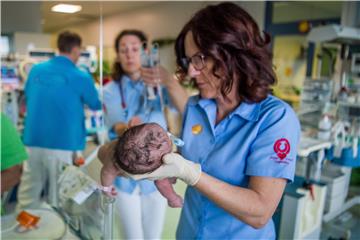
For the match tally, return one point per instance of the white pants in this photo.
(43, 164)
(141, 216)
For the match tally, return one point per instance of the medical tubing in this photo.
(9, 229)
(101, 77)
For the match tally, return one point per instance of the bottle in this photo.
(325, 125)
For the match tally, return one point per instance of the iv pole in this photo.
(108, 205)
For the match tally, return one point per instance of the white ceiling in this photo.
(17, 15)
(53, 21)
(284, 11)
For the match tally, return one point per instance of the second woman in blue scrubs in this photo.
(140, 205)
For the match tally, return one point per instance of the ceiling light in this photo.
(66, 8)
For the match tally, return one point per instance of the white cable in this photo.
(9, 229)
(101, 88)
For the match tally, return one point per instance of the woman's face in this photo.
(208, 84)
(129, 54)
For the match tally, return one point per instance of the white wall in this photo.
(161, 20)
(24, 41)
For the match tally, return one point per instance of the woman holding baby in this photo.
(240, 141)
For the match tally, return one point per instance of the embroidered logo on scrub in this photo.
(282, 149)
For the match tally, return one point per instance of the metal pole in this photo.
(108, 203)
(102, 130)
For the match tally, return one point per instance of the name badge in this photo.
(196, 129)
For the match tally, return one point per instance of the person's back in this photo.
(56, 92)
(12, 152)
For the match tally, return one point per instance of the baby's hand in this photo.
(134, 121)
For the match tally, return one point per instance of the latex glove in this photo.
(174, 165)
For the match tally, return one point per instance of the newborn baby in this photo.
(139, 150)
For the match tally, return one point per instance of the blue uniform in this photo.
(56, 92)
(257, 139)
(122, 104)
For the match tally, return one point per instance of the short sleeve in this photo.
(273, 152)
(12, 149)
(90, 94)
(112, 103)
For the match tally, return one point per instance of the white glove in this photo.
(174, 165)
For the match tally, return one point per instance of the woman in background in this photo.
(140, 205)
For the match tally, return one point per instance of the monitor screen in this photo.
(85, 54)
(41, 54)
(4, 45)
(9, 76)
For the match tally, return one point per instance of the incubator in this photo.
(88, 60)
(11, 84)
(329, 145)
(82, 210)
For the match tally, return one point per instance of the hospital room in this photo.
(180, 120)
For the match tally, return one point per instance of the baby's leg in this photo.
(165, 188)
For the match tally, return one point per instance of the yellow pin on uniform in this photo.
(196, 129)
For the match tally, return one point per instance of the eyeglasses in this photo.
(197, 60)
(135, 48)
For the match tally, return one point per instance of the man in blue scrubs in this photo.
(56, 92)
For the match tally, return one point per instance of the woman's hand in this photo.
(156, 75)
(159, 75)
(174, 165)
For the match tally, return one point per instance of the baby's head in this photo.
(140, 149)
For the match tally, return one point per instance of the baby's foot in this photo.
(176, 202)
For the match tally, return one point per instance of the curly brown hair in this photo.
(230, 36)
(117, 71)
(140, 149)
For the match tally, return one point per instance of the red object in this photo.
(311, 189)
(79, 161)
(27, 220)
(282, 148)
(105, 109)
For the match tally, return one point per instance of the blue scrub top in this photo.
(56, 92)
(136, 104)
(256, 139)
